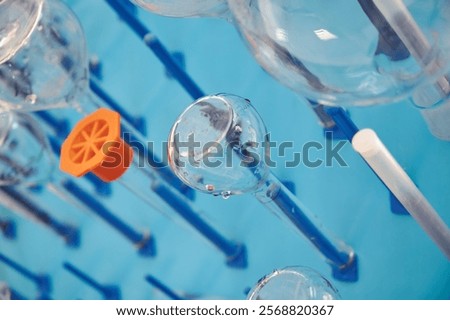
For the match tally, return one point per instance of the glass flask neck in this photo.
(85, 102)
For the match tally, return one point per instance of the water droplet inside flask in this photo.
(31, 98)
(226, 194)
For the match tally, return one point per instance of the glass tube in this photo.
(108, 292)
(219, 146)
(19, 203)
(294, 283)
(27, 160)
(95, 146)
(370, 147)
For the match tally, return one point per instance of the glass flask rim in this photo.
(20, 43)
(261, 284)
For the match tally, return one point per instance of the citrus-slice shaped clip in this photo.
(95, 145)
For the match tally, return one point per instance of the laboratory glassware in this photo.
(218, 145)
(42, 281)
(390, 45)
(389, 50)
(27, 160)
(95, 145)
(49, 69)
(108, 292)
(18, 202)
(14, 33)
(375, 153)
(51, 43)
(313, 48)
(294, 283)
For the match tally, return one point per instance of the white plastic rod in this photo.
(370, 147)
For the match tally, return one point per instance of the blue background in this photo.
(397, 260)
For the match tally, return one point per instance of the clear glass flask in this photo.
(388, 51)
(219, 145)
(95, 145)
(294, 283)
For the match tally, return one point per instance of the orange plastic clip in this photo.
(95, 145)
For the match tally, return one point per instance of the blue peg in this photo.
(349, 128)
(8, 228)
(153, 43)
(15, 295)
(61, 127)
(144, 242)
(138, 123)
(108, 292)
(163, 288)
(42, 281)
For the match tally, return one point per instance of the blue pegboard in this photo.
(397, 260)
